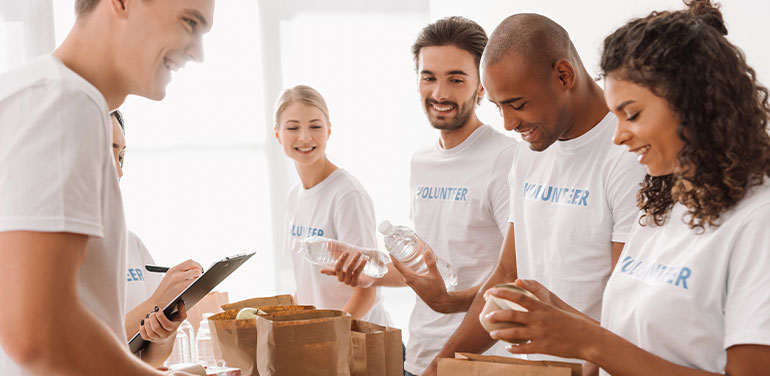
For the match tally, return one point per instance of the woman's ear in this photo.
(278, 134)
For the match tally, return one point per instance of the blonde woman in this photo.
(327, 202)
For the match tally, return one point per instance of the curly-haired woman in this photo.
(691, 292)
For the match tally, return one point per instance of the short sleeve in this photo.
(747, 305)
(53, 145)
(511, 174)
(499, 190)
(622, 186)
(354, 220)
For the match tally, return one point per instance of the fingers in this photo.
(156, 327)
(352, 279)
(187, 265)
(339, 267)
(509, 315)
(430, 262)
(329, 272)
(516, 297)
(529, 284)
(516, 334)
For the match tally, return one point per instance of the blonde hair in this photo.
(302, 94)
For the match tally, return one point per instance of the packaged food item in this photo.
(495, 304)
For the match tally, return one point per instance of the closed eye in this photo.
(520, 107)
(634, 116)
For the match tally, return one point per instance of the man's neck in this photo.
(450, 139)
(589, 109)
(93, 62)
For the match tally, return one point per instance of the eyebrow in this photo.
(623, 105)
(297, 121)
(197, 14)
(450, 73)
(116, 146)
(511, 100)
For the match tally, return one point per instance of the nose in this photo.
(622, 134)
(440, 91)
(510, 121)
(304, 134)
(195, 50)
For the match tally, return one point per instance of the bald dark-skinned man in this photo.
(572, 190)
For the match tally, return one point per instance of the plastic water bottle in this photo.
(180, 353)
(189, 331)
(406, 247)
(205, 348)
(325, 252)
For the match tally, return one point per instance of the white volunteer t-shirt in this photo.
(569, 203)
(57, 175)
(336, 208)
(140, 284)
(687, 297)
(460, 208)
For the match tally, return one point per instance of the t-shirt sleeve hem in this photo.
(53, 225)
(619, 237)
(748, 337)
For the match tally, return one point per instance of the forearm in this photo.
(66, 346)
(360, 302)
(391, 279)
(470, 336)
(155, 354)
(619, 357)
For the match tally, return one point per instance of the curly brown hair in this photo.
(684, 58)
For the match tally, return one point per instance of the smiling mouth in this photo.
(170, 64)
(442, 108)
(305, 149)
(640, 151)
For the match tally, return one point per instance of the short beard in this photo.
(464, 113)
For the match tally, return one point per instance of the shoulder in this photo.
(49, 80)
(347, 185)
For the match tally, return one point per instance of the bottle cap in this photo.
(385, 227)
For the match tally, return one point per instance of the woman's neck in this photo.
(312, 174)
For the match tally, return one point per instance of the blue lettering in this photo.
(575, 196)
(320, 232)
(544, 197)
(133, 275)
(683, 275)
(139, 273)
(626, 262)
(583, 200)
(465, 192)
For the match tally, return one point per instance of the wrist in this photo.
(596, 340)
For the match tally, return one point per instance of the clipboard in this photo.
(196, 291)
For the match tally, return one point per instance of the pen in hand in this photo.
(156, 268)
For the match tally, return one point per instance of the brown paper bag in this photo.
(376, 350)
(280, 300)
(235, 341)
(307, 343)
(481, 365)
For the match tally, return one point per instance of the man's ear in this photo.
(119, 7)
(565, 73)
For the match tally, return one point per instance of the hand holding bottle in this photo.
(351, 273)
